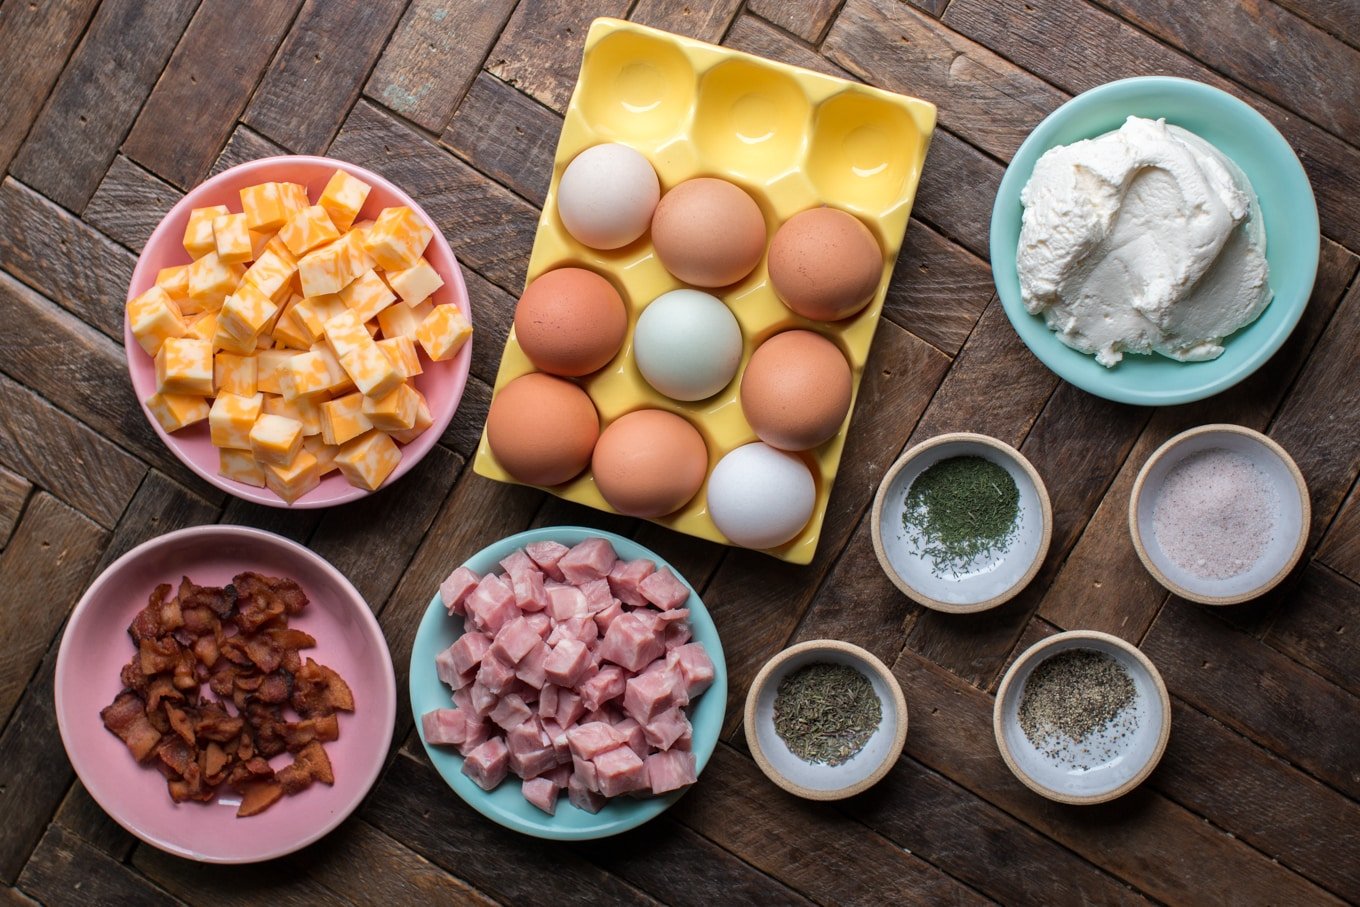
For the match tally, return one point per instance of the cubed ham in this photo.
(663, 730)
(541, 623)
(560, 776)
(664, 589)
(462, 699)
(510, 712)
(546, 555)
(483, 699)
(619, 771)
(606, 617)
(557, 736)
(585, 769)
(590, 739)
(632, 641)
(632, 734)
(492, 604)
(495, 674)
(625, 578)
(488, 764)
(530, 594)
(468, 649)
(454, 590)
(517, 563)
(588, 560)
(567, 663)
(569, 708)
(694, 665)
(547, 700)
(652, 692)
(598, 595)
(542, 793)
(446, 669)
(565, 602)
(479, 731)
(605, 685)
(530, 669)
(581, 796)
(677, 634)
(515, 640)
(670, 771)
(448, 726)
(581, 627)
(531, 750)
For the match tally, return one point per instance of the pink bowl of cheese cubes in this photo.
(298, 331)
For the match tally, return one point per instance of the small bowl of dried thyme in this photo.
(825, 719)
(1082, 717)
(961, 522)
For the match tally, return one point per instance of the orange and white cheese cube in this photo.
(232, 238)
(402, 319)
(211, 280)
(175, 281)
(395, 412)
(268, 206)
(292, 480)
(286, 329)
(443, 332)
(272, 274)
(232, 417)
(185, 366)
(154, 318)
(343, 418)
(202, 326)
(368, 460)
(269, 369)
(424, 419)
(324, 453)
(312, 312)
(175, 411)
(345, 333)
(234, 373)
(398, 238)
(246, 312)
(198, 232)
(330, 268)
(275, 439)
(306, 411)
(343, 198)
(416, 283)
(259, 242)
(367, 295)
(240, 466)
(305, 375)
(308, 229)
(402, 352)
(371, 371)
(223, 339)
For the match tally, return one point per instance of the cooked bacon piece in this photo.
(132, 677)
(200, 621)
(147, 623)
(253, 769)
(206, 651)
(126, 718)
(218, 599)
(223, 679)
(275, 688)
(257, 796)
(261, 600)
(214, 760)
(220, 728)
(324, 728)
(175, 757)
(158, 655)
(289, 638)
(317, 690)
(159, 690)
(185, 677)
(264, 652)
(180, 724)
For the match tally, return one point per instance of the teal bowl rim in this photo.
(1074, 367)
(505, 806)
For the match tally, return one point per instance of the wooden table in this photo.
(112, 110)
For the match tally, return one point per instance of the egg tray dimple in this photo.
(794, 139)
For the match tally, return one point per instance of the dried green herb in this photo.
(826, 712)
(960, 509)
(1072, 696)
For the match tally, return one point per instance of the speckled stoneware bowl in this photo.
(1293, 514)
(816, 781)
(987, 581)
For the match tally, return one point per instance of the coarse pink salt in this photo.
(1216, 514)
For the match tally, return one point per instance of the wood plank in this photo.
(736, 807)
(1318, 623)
(244, 145)
(297, 525)
(86, 819)
(129, 203)
(706, 20)
(465, 431)
(539, 50)
(202, 90)
(493, 311)
(808, 21)
(432, 58)
(65, 869)
(62, 258)
(46, 568)
(35, 42)
(79, 466)
(555, 511)
(1306, 70)
(1258, 691)
(13, 897)
(356, 847)
(1339, 19)
(1340, 548)
(938, 290)
(160, 505)
(1155, 845)
(1103, 585)
(755, 35)
(97, 97)
(507, 135)
(14, 491)
(278, 881)
(413, 805)
(489, 228)
(325, 59)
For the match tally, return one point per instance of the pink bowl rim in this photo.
(142, 279)
(387, 699)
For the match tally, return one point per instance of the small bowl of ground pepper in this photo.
(1219, 514)
(825, 719)
(961, 522)
(1082, 717)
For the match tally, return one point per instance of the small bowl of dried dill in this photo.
(961, 522)
(825, 719)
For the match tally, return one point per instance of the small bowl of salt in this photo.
(1219, 514)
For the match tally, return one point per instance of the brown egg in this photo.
(825, 264)
(708, 232)
(542, 429)
(796, 390)
(649, 463)
(570, 322)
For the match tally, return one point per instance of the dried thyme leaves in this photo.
(826, 712)
(1076, 707)
(961, 508)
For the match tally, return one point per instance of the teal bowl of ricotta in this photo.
(1288, 214)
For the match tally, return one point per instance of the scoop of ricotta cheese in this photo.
(1146, 239)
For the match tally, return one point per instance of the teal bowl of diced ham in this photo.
(578, 660)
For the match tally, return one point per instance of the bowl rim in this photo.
(1008, 195)
(386, 697)
(1046, 522)
(703, 750)
(1165, 450)
(868, 660)
(142, 278)
(1030, 655)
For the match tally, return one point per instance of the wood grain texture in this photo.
(433, 57)
(1340, 548)
(1318, 623)
(938, 290)
(297, 525)
(129, 203)
(14, 491)
(465, 431)
(83, 817)
(539, 52)
(706, 20)
(493, 312)
(65, 869)
(244, 145)
(1337, 17)
(97, 97)
(203, 90)
(808, 21)
(507, 135)
(160, 505)
(325, 59)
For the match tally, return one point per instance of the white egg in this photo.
(760, 497)
(687, 344)
(607, 195)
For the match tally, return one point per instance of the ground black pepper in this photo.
(1076, 707)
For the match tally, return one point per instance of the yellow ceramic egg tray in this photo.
(792, 138)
